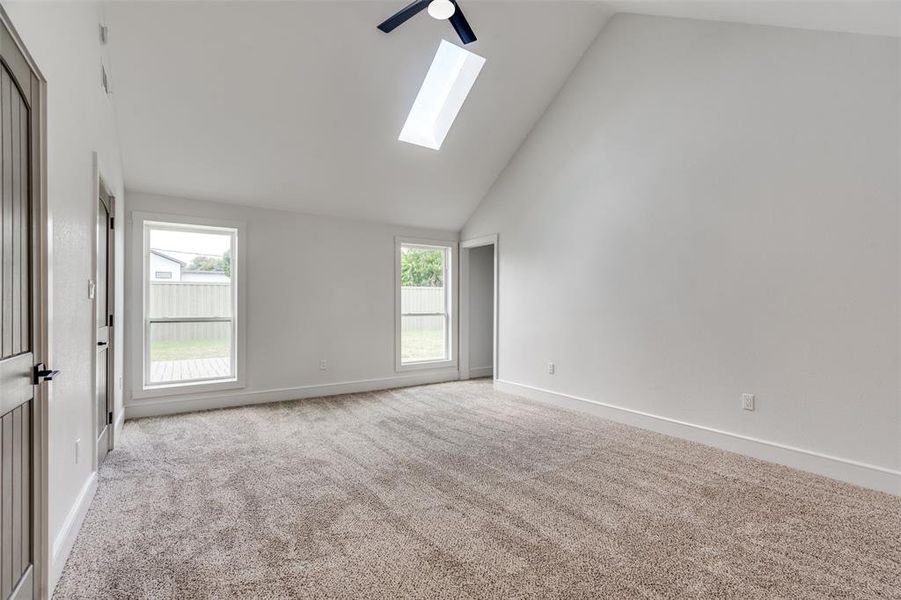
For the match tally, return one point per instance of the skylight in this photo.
(446, 85)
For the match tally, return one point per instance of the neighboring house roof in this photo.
(167, 257)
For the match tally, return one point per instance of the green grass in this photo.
(188, 349)
(422, 344)
(417, 344)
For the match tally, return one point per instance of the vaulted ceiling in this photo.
(298, 105)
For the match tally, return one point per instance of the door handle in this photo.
(102, 343)
(42, 373)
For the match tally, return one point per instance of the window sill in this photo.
(186, 389)
(431, 364)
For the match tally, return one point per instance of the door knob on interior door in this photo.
(102, 343)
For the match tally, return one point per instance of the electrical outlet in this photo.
(323, 365)
(747, 401)
(77, 450)
(551, 368)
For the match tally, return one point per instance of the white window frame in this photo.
(450, 290)
(141, 223)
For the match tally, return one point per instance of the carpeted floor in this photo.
(457, 491)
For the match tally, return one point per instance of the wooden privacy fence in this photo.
(422, 309)
(422, 300)
(175, 299)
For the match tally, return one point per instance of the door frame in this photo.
(100, 184)
(465, 247)
(42, 317)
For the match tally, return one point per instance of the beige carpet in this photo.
(456, 491)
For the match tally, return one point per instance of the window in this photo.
(190, 324)
(424, 327)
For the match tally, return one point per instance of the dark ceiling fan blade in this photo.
(404, 14)
(461, 25)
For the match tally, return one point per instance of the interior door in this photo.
(18, 166)
(104, 324)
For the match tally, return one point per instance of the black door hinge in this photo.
(112, 221)
(109, 419)
(111, 320)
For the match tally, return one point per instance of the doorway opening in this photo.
(478, 307)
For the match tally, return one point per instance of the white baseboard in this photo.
(62, 544)
(169, 405)
(476, 372)
(850, 471)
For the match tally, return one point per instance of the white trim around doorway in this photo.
(465, 247)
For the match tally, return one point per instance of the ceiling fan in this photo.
(438, 9)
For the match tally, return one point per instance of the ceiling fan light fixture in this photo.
(447, 10)
(441, 9)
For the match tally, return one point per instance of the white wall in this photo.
(709, 209)
(317, 288)
(481, 310)
(63, 39)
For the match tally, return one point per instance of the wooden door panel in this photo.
(17, 386)
(15, 509)
(15, 280)
(6, 315)
(17, 374)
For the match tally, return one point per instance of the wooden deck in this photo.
(182, 370)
